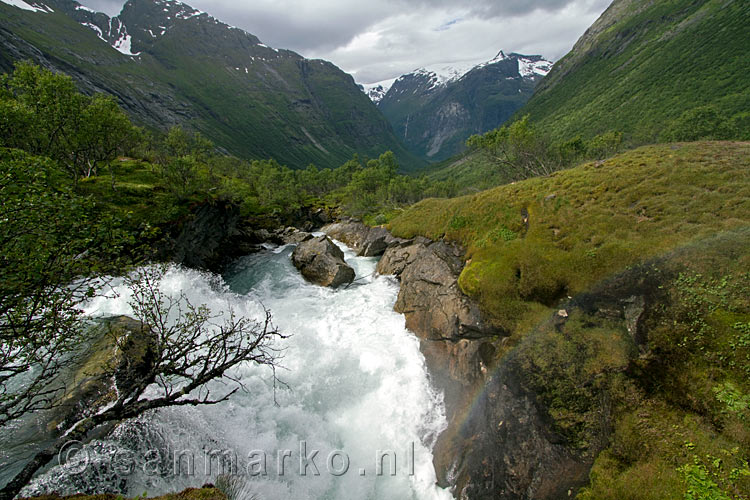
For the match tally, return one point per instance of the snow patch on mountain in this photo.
(32, 7)
(96, 29)
(123, 45)
(439, 75)
(529, 67)
(376, 91)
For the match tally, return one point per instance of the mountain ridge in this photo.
(643, 64)
(169, 64)
(434, 109)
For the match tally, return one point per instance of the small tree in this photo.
(44, 114)
(697, 124)
(49, 239)
(604, 145)
(181, 157)
(519, 150)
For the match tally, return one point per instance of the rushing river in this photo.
(358, 394)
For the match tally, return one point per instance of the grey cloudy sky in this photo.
(381, 39)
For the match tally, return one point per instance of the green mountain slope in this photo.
(644, 63)
(172, 64)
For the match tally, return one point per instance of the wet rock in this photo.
(431, 299)
(448, 323)
(121, 353)
(292, 235)
(210, 237)
(398, 256)
(506, 448)
(322, 262)
(367, 241)
(348, 231)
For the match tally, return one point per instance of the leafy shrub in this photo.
(701, 123)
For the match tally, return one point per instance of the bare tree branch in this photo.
(186, 348)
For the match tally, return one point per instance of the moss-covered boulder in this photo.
(121, 351)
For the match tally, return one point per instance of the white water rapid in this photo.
(357, 383)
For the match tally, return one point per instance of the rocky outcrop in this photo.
(500, 442)
(367, 241)
(214, 234)
(294, 236)
(322, 262)
(506, 447)
(209, 237)
(450, 325)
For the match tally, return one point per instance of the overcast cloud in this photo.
(383, 39)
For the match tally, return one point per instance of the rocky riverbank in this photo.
(500, 442)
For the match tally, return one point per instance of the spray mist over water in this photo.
(356, 379)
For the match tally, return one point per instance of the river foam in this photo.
(358, 391)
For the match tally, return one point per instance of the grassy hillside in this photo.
(643, 64)
(534, 242)
(662, 405)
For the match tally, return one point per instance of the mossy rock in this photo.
(120, 352)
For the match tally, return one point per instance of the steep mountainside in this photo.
(644, 63)
(168, 63)
(433, 110)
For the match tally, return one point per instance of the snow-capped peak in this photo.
(442, 74)
(30, 6)
(376, 91)
(439, 75)
(499, 57)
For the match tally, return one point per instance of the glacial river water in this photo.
(357, 393)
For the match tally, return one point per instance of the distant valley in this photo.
(436, 108)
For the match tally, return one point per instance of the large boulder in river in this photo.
(322, 262)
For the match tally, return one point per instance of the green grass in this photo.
(581, 225)
(137, 197)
